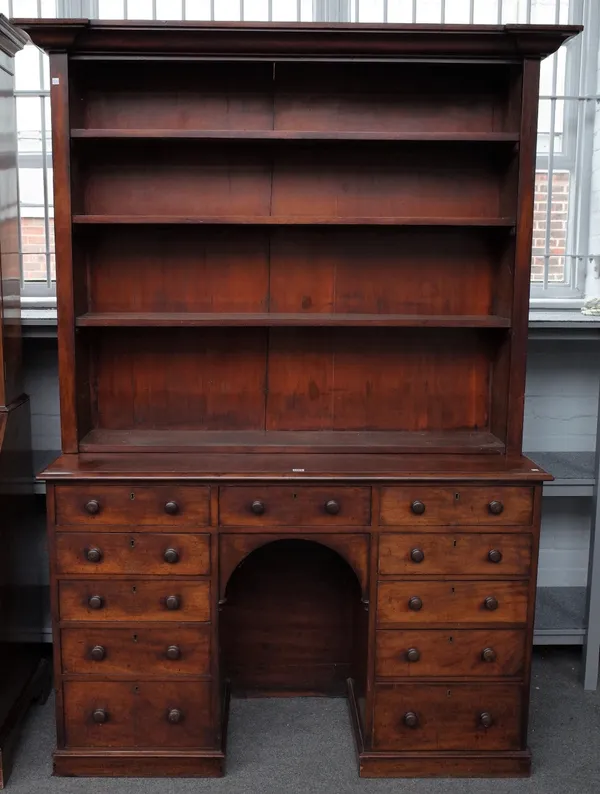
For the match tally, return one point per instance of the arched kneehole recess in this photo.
(293, 623)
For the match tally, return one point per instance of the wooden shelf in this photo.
(451, 441)
(288, 220)
(296, 135)
(214, 319)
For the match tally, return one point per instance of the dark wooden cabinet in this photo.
(293, 273)
(24, 665)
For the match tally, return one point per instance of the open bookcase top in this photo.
(296, 40)
(293, 238)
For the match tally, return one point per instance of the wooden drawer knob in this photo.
(95, 602)
(94, 555)
(415, 603)
(417, 555)
(98, 653)
(491, 603)
(257, 507)
(174, 716)
(172, 602)
(495, 507)
(171, 556)
(100, 715)
(92, 507)
(413, 654)
(410, 719)
(486, 720)
(332, 507)
(418, 507)
(488, 655)
(171, 508)
(495, 555)
(173, 652)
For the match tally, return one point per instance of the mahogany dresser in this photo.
(24, 666)
(293, 278)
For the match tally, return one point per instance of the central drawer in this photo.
(447, 717)
(153, 505)
(452, 603)
(139, 600)
(132, 553)
(142, 714)
(257, 505)
(172, 650)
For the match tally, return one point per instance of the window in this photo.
(561, 250)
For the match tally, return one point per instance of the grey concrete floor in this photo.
(305, 746)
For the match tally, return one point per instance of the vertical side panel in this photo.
(56, 651)
(535, 551)
(372, 624)
(525, 200)
(59, 93)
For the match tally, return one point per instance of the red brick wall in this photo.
(33, 243)
(558, 225)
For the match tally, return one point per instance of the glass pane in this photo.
(29, 124)
(31, 187)
(197, 9)
(34, 266)
(227, 10)
(139, 9)
(545, 12)
(48, 120)
(168, 9)
(48, 8)
(370, 11)
(306, 11)
(485, 12)
(25, 8)
(458, 11)
(4, 9)
(555, 238)
(428, 11)
(256, 10)
(51, 231)
(400, 11)
(27, 69)
(110, 9)
(285, 10)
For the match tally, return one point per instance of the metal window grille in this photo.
(568, 105)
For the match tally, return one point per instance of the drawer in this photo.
(92, 553)
(153, 505)
(256, 505)
(452, 602)
(157, 714)
(454, 553)
(422, 505)
(447, 717)
(169, 600)
(172, 650)
(466, 652)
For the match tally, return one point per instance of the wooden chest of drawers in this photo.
(292, 321)
(430, 586)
